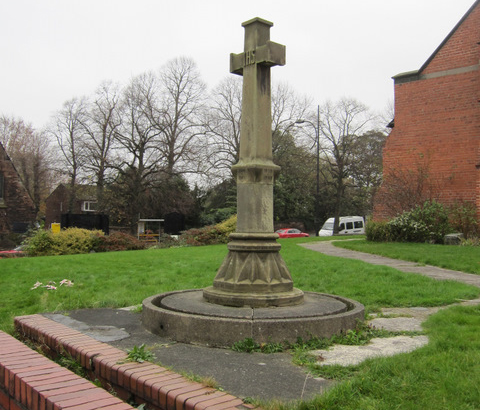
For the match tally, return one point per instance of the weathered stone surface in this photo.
(379, 347)
(453, 239)
(187, 317)
(253, 273)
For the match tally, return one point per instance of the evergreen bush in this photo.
(424, 223)
(377, 231)
(210, 235)
(66, 242)
(73, 241)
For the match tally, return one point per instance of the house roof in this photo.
(7, 158)
(415, 73)
(82, 192)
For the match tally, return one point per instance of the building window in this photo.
(89, 206)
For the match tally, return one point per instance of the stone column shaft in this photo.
(253, 273)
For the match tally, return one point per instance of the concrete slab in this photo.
(397, 324)
(379, 347)
(102, 333)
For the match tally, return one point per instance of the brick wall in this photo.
(437, 121)
(17, 205)
(56, 204)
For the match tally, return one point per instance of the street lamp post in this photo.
(316, 219)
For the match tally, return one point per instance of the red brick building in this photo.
(17, 210)
(433, 151)
(58, 202)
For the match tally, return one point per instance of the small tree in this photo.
(341, 125)
(69, 132)
(403, 189)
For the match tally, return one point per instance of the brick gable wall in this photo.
(17, 205)
(437, 121)
(461, 48)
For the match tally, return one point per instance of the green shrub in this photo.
(404, 228)
(210, 235)
(228, 226)
(73, 241)
(117, 241)
(463, 218)
(40, 243)
(426, 223)
(377, 231)
(66, 242)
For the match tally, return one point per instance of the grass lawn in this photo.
(443, 375)
(118, 279)
(462, 258)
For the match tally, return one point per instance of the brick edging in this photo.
(145, 382)
(32, 381)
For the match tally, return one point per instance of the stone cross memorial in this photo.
(252, 294)
(253, 273)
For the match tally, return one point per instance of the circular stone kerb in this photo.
(186, 317)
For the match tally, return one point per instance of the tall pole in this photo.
(316, 127)
(316, 221)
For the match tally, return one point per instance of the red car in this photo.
(18, 251)
(291, 233)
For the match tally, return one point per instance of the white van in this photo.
(349, 225)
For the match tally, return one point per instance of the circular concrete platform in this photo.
(185, 316)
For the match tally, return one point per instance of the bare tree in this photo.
(365, 170)
(30, 152)
(103, 120)
(224, 118)
(69, 131)
(137, 137)
(138, 157)
(403, 190)
(179, 117)
(287, 108)
(386, 117)
(341, 125)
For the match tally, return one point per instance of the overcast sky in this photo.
(54, 50)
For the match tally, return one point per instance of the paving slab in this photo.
(378, 347)
(266, 376)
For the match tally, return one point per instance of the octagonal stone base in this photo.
(185, 316)
(253, 274)
(253, 300)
